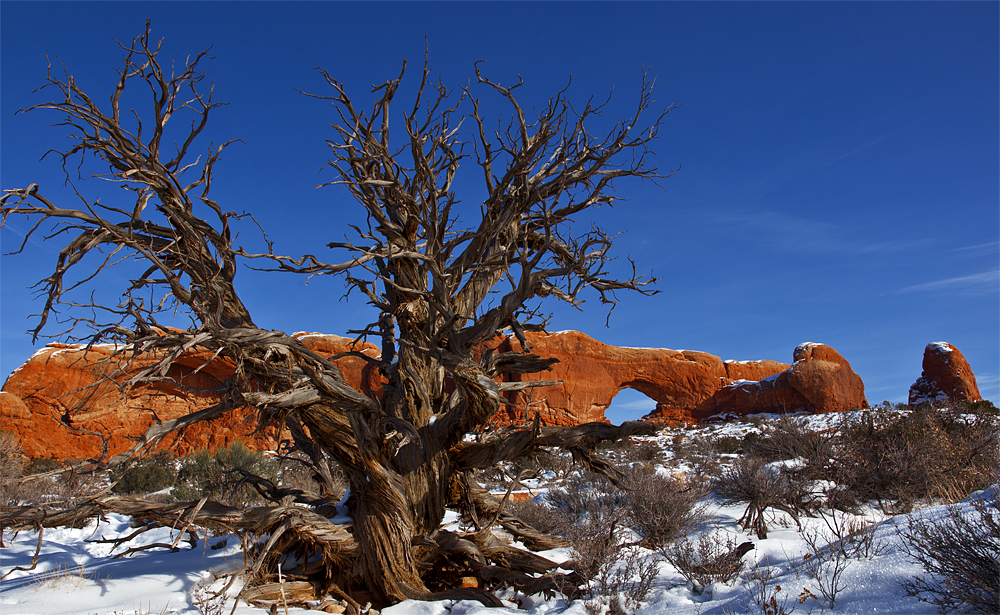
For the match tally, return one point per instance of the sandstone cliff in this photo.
(64, 396)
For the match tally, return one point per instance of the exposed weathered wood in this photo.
(289, 592)
(440, 288)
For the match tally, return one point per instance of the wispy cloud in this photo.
(894, 246)
(870, 143)
(988, 380)
(985, 281)
(988, 383)
(784, 231)
(979, 249)
(639, 404)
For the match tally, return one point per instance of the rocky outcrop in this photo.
(819, 381)
(592, 373)
(826, 379)
(64, 396)
(946, 378)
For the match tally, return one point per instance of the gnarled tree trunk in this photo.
(426, 277)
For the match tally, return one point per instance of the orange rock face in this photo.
(946, 377)
(592, 374)
(826, 379)
(64, 396)
(819, 381)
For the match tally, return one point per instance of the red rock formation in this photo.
(593, 373)
(12, 406)
(62, 392)
(819, 381)
(63, 387)
(947, 377)
(826, 379)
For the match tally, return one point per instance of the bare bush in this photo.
(961, 555)
(700, 453)
(585, 495)
(296, 472)
(629, 450)
(551, 464)
(749, 480)
(899, 459)
(26, 482)
(660, 508)
(789, 438)
(11, 467)
(827, 558)
(762, 596)
(623, 585)
(713, 558)
(619, 575)
(541, 517)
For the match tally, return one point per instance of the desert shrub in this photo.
(713, 558)
(961, 554)
(596, 541)
(749, 480)
(763, 595)
(660, 508)
(540, 463)
(729, 445)
(559, 463)
(198, 471)
(144, 475)
(628, 450)
(20, 485)
(550, 466)
(619, 575)
(584, 496)
(491, 477)
(40, 465)
(296, 472)
(615, 445)
(699, 453)
(901, 458)
(219, 472)
(647, 451)
(545, 519)
(831, 550)
(982, 407)
(789, 438)
(11, 468)
(73, 484)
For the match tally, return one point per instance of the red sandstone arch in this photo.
(593, 373)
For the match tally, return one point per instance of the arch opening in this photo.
(629, 404)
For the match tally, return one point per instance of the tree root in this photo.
(326, 553)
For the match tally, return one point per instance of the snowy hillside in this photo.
(783, 573)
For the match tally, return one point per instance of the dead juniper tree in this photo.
(403, 449)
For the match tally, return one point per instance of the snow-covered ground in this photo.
(76, 576)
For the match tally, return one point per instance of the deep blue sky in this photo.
(839, 179)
